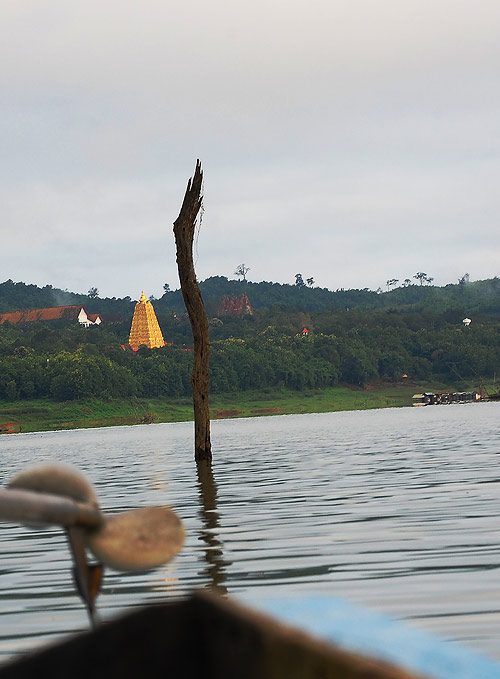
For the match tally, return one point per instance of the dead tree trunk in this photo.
(184, 227)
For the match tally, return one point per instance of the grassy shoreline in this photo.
(46, 415)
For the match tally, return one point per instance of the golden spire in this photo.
(145, 328)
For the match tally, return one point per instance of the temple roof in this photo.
(145, 328)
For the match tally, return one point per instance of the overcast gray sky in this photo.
(352, 140)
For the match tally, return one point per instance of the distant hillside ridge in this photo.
(22, 297)
(467, 298)
(475, 297)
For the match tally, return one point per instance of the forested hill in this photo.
(21, 296)
(469, 297)
(354, 336)
(463, 298)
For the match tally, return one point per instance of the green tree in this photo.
(242, 270)
(11, 390)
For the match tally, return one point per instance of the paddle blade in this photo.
(137, 540)
(56, 479)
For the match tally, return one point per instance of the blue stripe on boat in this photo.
(359, 629)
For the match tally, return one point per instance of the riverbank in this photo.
(46, 415)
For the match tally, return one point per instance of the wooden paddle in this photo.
(58, 494)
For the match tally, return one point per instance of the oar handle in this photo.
(31, 507)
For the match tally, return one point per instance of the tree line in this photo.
(353, 336)
(467, 297)
(72, 362)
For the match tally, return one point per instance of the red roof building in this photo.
(70, 313)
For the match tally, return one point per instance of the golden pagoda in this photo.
(145, 328)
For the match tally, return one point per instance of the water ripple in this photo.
(395, 509)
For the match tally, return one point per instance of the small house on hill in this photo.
(75, 313)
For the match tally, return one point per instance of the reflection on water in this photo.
(214, 571)
(395, 509)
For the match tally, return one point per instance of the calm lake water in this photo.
(396, 509)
